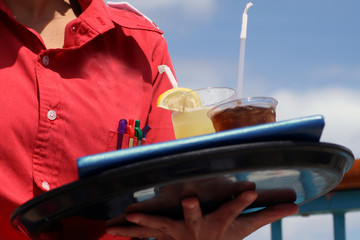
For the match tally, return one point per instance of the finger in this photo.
(161, 224)
(273, 197)
(258, 219)
(243, 186)
(192, 214)
(133, 232)
(227, 213)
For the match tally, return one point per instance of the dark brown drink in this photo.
(242, 116)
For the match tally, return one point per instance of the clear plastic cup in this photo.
(243, 112)
(194, 121)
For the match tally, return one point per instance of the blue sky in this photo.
(304, 53)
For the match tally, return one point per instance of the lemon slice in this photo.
(177, 99)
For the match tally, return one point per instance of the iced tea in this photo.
(243, 113)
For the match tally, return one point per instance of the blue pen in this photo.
(121, 132)
(145, 130)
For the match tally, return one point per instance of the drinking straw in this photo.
(242, 50)
(167, 70)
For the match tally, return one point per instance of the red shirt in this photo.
(57, 105)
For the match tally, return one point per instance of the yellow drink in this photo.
(190, 108)
(192, 123)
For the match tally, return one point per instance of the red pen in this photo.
(130, 129)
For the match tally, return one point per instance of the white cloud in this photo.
(200, 73)
(263, 234)
(339, 106)
(187, 8)
(293, 228)
(317, 227)
(352, 225)
(336, 71)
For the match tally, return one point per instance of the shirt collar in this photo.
(95, 14)
(101, 18)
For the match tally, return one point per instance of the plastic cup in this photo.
(195, 121)
(243, 112)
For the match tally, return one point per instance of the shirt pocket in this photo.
(116, 142)
(111, 141)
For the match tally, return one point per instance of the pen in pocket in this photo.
(130, 129)
(138, 132)
(121, 132)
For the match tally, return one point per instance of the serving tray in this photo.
(282, 161)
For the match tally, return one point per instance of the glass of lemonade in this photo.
(195, 121)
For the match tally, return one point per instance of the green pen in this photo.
(138, 132)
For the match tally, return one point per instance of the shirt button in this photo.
(51, 114)
(45, 185)
(45, 60)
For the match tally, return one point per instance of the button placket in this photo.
(45, 160)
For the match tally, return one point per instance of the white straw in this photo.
(167, 70)
(242, 51)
